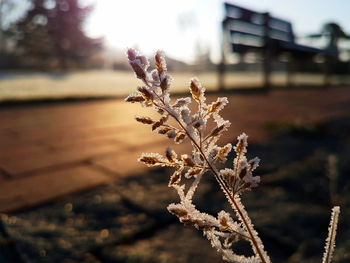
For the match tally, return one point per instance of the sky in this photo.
(184, 28)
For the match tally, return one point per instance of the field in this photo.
(106, 83)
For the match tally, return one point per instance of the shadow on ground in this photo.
(127, 221)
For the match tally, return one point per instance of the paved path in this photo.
(49, 150)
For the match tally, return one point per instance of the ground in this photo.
(71, 189)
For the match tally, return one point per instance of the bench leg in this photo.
(221, 76)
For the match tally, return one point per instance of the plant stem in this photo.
(236, 203)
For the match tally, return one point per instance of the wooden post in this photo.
(290, 68)
(221, 66)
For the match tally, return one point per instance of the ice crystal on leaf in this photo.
(223, 230)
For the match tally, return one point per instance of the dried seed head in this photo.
(160, 62)
(163, 130)
(145, 93)
(253, 164)
(180, 136)
(165, 83)
(197, 124)
(132, 98)
(185, 114)
(188, 161)
(144, 120)
(152, 159)
(179, 212)
(229, 176)
(213, 107)
(197, 91)
(143, 61)
(170, 155)
(138, 68)
(131, 54)
(175, 178)
(195, 88)
(160, 122)
(193, 172)
(181, 102)
(241, 146)
(218, 105)
(223, 224)
(242, 172)
(171, 134)
(230, 240)
(216, 131)
(155, 77)
(223, 152)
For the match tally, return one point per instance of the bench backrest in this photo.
(253, 30)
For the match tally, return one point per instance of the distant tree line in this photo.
(49, 36)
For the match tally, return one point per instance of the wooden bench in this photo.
(246, 31)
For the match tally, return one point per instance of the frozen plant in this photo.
(223, 230)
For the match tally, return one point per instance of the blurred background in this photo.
(70, 187)
(77, 48)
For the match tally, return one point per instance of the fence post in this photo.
(267, 58)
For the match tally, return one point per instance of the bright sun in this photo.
(148, 25)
